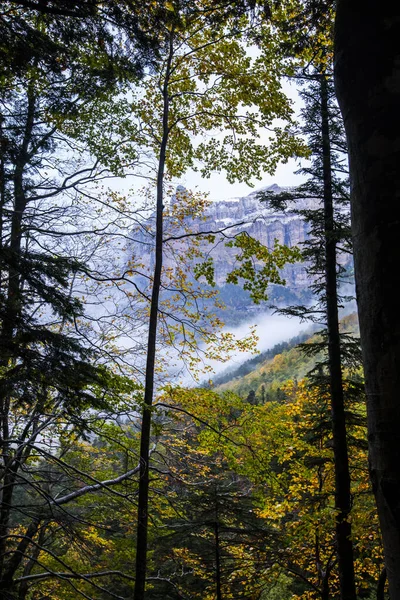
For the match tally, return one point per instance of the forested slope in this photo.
(263, 376)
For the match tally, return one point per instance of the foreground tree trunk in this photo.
(367, 72)
(342, 470)
(144, 480)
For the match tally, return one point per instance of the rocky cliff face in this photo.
(250, 215)
(234, 216)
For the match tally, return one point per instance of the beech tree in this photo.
(201, 85)
(367, 83)
(48, 108)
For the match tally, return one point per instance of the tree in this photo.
(286, 448)
(201, 85)
(367, 83)
(79, 494)
(329, 234)
(117, 37)
(55, 387)
(216, 546)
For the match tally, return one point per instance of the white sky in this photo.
(220, 189)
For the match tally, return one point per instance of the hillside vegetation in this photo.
(265, 374)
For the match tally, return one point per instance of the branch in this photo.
(97, 486)
(43, 8)
(202, 233)
(61, 575)
(92, 488)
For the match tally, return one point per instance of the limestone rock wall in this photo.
(237, 215)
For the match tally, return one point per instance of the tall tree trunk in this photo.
(3, 149)
(144, 480)
(367, 74)
(380, 588)
(342, 472)
(217, 550)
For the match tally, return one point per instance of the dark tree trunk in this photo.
(144, 480)
(342, 472)
(12, 306)
(217, 562)
(31, 563)
(367, 74)
(217, 551)
(380, 590)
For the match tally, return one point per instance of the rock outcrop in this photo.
(237, 215)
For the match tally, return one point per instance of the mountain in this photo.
(248, 214)
(230, 217)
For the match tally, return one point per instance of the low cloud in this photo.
(271, 329)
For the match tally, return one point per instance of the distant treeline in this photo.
(249, 365)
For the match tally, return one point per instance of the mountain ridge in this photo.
(231, 217)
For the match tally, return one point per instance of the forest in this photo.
(128, 470)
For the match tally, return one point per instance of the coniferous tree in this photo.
(53, 382)
(117, 36)
(211, 542)
(329, 242)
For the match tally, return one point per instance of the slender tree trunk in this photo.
(144, 480)
(325, 591)
(12, 308)
(3, 148)
(367, 78)
(23, 588)
(18, 556)
(342, 472)
(323, 574)
(217, 551)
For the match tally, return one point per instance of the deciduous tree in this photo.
(367, 83)
(201, 85)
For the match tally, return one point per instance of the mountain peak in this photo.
(272, 188)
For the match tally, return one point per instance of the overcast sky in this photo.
(220, 189)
